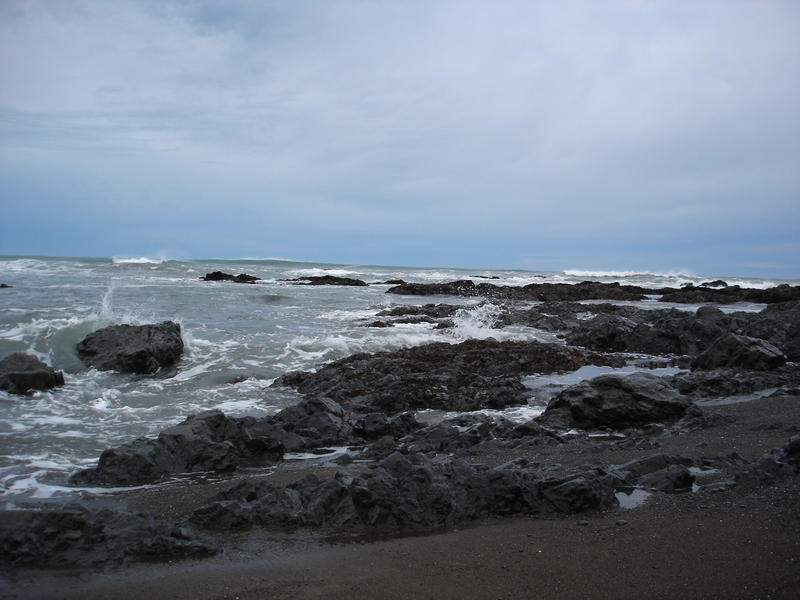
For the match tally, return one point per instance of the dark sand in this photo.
(735, 544)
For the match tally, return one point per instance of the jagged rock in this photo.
(731, 350)
(328, 280)
(209, 441)
(132, 348)
(586, 290)
(76, 536)
(22, 373)
(319, 421)
(779, 324)
(468, 376)
(406, 492)
(720, 383)
(617, 402)
(377, 425)
(220, 276)
(777, 464)
(730, 294)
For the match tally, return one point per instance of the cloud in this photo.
(626, 119)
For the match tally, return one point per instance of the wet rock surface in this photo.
(328, 280)
(587, 290)
(132, 348)
(22, 373)
(617, 402)
(220, 276)
(406, 491)
(593, 290)
(467, 376)
(76, 536)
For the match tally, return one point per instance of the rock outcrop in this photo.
(406, 492)
(617, 402)
(22, 373)
(132, 348)
(76, 536)
(468, 376)
(328, 280)
(220, 276)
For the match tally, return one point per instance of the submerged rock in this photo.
(22, 373)
(617, 402)
(132, 348)
(76, 536)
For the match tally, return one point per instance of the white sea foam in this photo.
(140, 260)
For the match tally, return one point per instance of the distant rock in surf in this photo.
(132, 348)
(327, 280)
(22, 373)
(220, 276)
(5, 286)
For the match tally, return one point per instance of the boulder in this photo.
(22, 373)
(76, 536)
(132, 348)
(617, 402)
(731, 350)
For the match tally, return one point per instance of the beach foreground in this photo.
(741, 542)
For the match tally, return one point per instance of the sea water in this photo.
(238, 339)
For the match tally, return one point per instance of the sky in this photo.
(638, 135)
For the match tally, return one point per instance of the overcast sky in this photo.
(543, 135)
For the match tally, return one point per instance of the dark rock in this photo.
(617, 402)
(21, 373)
(776, 465)
(719, 383)
(731, 350)
(133, 348)
(5, 286)
(779, 324)
(377, 425)
(379, 324)
(586, 290)
(731, 294)
(671, 479)
(715, 284)
(209, 441)
(435, 311)
(319, 421)
(468, 376)
(75, 536)
(328, 280)
(406, 492)
(220, 276)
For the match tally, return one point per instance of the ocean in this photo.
(238, 339)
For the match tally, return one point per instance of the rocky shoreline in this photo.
(383, 469)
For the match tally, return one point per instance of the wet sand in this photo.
(740, 543)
